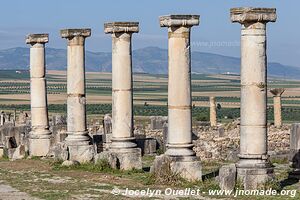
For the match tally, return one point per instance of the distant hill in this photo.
(151, 60)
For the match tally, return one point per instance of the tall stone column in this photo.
(180, 146)
(39, 138)
(253, 166)
(123, 141)
(213, 112)
(78, 140)
(277, 106)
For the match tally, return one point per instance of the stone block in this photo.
(107, 124)
(157, 122)
(106, 138)
(15, 153)
(59, 120)
(1, 151)
(187, 167)
(147, 145)
(82, 154)
(59, 151)
(39, 147)
(253, 178)
(111, 158)
(294, 142)
(128, 159)
(227, 177)
(69, 163)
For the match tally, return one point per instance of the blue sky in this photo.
(20, 17)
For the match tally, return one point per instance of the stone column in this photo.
(277, 106)
(39, 138)
(213, 112)
(123, 141)
(78, 140)
(180, 146)
(253, 167)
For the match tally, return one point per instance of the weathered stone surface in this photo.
(39, 142)
(110, 157)
(248, 14)
(37, 38)
(213, 111)
(157, 122)
(253, 178)
(69, 163)
(59, 151)
(107, 124)
(253, 129)
(277, 93)
(148, 145)
(129, 159)
(179, 20)
(227, 177)
(82, 153)
(1, 150)
(67, 33)
(78, 140)
(294, 140)
(121, 27)
(59, 120)
(15, 153)
(187, 167)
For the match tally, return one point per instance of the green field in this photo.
(150, 94)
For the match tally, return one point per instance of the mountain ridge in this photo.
(152, 60)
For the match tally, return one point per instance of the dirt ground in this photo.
(45, 179)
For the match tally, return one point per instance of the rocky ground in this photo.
(222, 143)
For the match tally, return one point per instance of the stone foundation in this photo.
(127, 159)
(39, 147)
(253, 178)
(188, 167)
(82, 154)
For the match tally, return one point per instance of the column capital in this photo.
(179, 20)
(37, 38)
(277, 92)
(252, 15)
(70, 33)
(121, 27)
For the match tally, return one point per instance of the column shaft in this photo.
(122, 117)
(76, 87)
(213, 112)
(179, 87)
(253, 90)
(277, 111)
(39, 112)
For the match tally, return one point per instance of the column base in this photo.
(80, 146)
(78, 138)
(175, 150)
(39, 143)
(188, 167)
(123, 143)
(254, 173)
